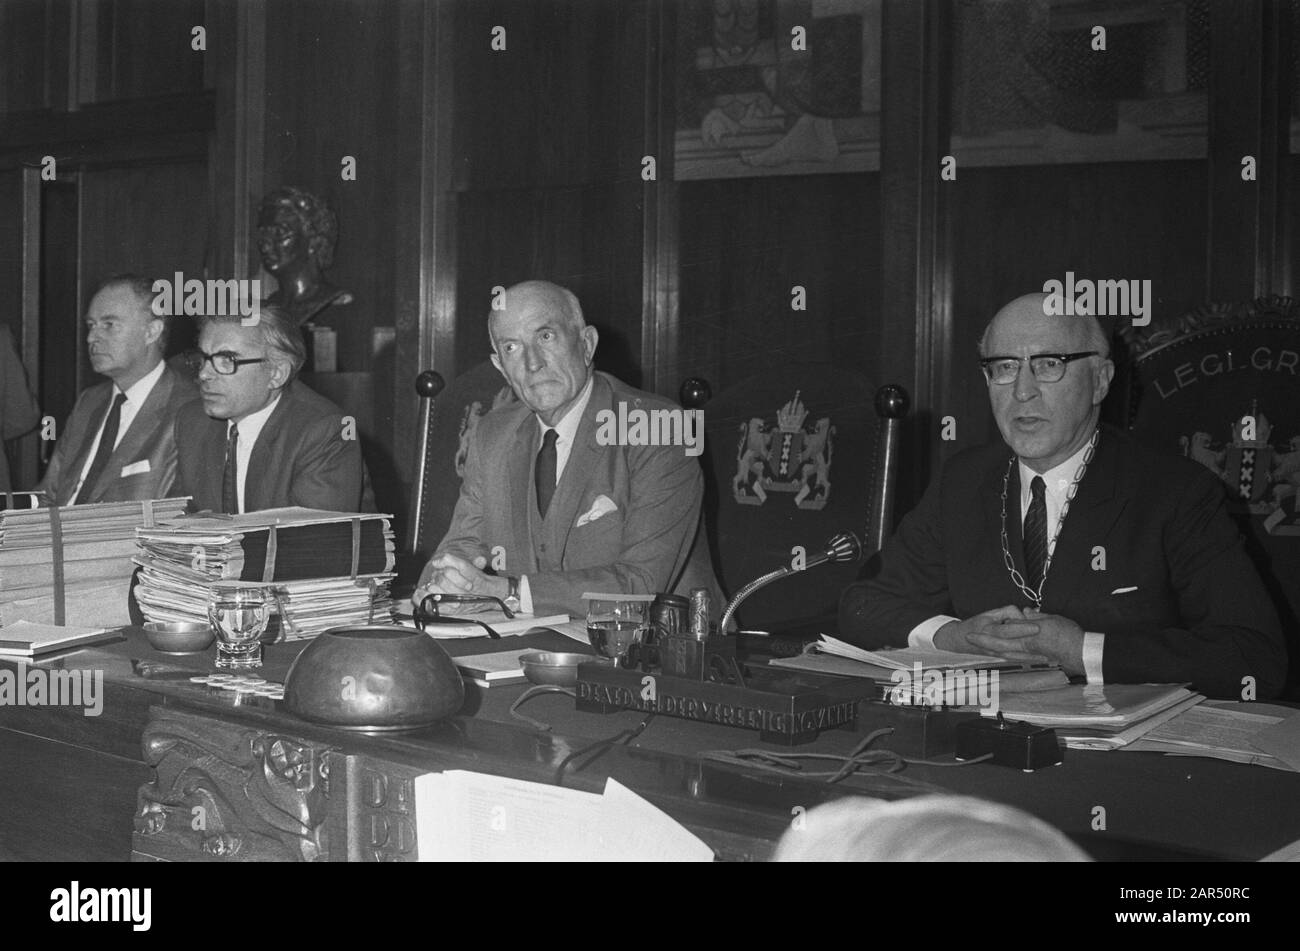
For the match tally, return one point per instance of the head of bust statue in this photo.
(296, 231)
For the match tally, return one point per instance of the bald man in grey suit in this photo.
(591, 517)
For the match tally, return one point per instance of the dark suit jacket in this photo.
(300, 458)
(18, 411)
(1199, 612)
(146, 452)
(650, 541)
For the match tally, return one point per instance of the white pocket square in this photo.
(1125, 590)
(599, 508)
(135, 468)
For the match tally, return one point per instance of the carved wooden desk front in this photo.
(173, 770)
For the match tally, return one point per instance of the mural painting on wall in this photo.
(777, 87)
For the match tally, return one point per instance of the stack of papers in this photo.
(1101, 716)
(307, 563)
(904, 658)
(98, 542)
(1229, 732)
(462, 816)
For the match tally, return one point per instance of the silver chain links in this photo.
(1016, 577)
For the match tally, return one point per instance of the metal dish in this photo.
(374, 678)
(554, 669)
(179, 637)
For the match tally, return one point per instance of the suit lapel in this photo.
(579, 468)
(257, 489)
(143, 426)
(521, 496)
(993, 515)
(98, 402)
(1092, 515)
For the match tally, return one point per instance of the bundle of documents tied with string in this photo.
(71, 565)
(324, 569)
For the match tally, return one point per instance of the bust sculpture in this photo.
(296, 233)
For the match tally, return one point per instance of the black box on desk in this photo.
(784, 706)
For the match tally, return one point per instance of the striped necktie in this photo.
(1035, 535)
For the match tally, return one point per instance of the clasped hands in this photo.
(451, 574)
(1025, 637)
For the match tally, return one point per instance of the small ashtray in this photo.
(179, 637)
(559, 670)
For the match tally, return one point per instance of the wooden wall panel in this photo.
(1014, 228)
(584, 238)
(152, 219)
(744, 243)
(563, 103)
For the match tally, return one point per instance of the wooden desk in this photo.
(175, 770)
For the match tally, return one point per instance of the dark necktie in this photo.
(545, 472)
(107, 442)
(1036, 533)
(230, 474)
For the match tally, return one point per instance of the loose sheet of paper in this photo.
(463, 816)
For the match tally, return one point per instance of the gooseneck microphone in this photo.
(844, 547)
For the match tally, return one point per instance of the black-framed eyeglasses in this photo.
(1046, 367)
(224, 362)
(429, 611)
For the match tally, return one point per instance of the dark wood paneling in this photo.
(744, 243)
(587, 239)
(33, 54)
(1015, 228)
(563, 103)
(150, 219)
(142, 49)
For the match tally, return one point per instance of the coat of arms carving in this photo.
(1259, 476)
(789, 456)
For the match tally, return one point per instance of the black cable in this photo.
(600, 747)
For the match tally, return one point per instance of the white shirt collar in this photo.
(139, 391)
(1056, 480)
(250, 427)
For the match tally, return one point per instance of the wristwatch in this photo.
(512, 596)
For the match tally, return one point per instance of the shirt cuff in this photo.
(525, 595)
(922, 635)
(1092, 646)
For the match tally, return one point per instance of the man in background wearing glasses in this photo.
(117, 444)
(257, 438)
(1070, 543)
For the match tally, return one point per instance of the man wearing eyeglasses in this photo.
(1069, 542)
(258, 438)
(117, 444)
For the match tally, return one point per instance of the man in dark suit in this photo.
(118, 445)
(1078, 546)
(258, 438)
(18, 411)
(550, 505)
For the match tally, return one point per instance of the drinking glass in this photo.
(617, 629)
(239, 613)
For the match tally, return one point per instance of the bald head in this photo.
(543, 347)
(1046, 421)
(1026, 310)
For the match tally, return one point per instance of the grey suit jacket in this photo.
(651, 541)
(146, 452)
(19, 413)
(300, 458)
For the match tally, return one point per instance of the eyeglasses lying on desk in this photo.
(429, 610)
